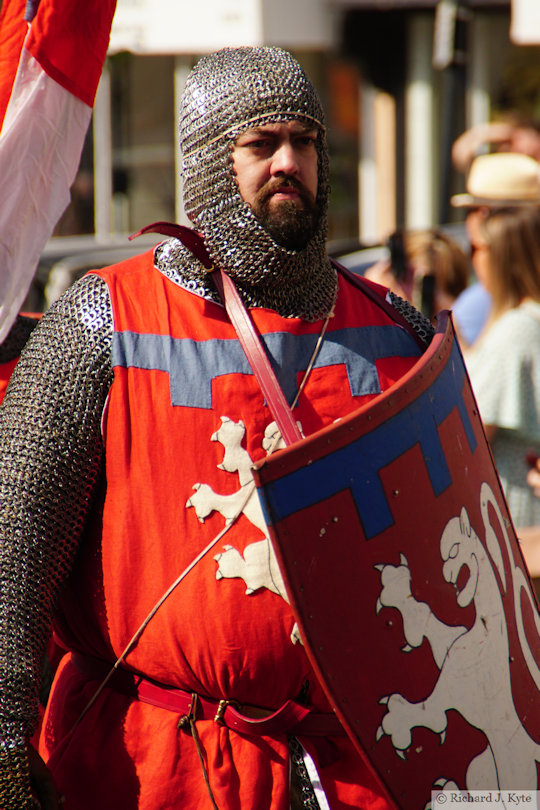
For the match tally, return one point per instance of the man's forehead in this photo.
(275, 127)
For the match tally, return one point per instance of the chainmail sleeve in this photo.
(51, 454)
(419, 322)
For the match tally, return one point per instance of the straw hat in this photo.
(501, 179)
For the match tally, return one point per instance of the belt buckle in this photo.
(187, 721)
(221, 709)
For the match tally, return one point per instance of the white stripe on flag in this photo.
(40, 148)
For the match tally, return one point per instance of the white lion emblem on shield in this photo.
(474, 677)
(257, 566)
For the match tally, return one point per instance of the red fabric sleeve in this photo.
(13, 30)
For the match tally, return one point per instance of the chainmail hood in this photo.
(227, 93)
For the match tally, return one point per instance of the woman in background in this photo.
(426, 268)
(504, 363)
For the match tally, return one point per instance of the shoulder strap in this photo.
(189, 237)
(243, 324)
(257, 357)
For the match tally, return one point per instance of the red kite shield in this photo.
(409, 587)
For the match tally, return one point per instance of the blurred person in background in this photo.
(494, 181)
(426, 268)
(504, 363)
(529, 536)
(514, 132)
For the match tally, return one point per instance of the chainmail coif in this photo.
(227, 93)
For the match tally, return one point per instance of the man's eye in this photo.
(305, 140)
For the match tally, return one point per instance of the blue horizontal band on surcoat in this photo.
(192, 365)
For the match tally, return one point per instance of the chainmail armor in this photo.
(15, 793)
(302, 793)
(16, 338)
(51, 460)
(419, 322)
(175, 261)
(227, 93)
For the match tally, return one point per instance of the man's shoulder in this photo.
(141, 262)
(397, 309)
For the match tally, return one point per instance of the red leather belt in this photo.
(290, 718)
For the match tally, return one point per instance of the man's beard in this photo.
(291, 223)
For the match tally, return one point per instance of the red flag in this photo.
(50, 70)
(69, 39)
(13, 30)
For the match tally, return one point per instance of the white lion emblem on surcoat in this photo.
(257, 565)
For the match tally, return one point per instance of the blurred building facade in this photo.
(400, 79)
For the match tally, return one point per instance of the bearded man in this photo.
(129, 431)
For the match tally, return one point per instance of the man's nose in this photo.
(284, 160)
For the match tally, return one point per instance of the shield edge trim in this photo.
(417, 379)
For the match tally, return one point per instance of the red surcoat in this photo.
(6, 370)
(184, 422)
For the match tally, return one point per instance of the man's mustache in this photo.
(275, 184)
